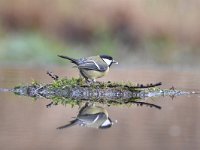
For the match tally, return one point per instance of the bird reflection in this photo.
(91, 116)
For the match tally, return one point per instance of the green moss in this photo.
(35, 83)
(73, 82)
(65, 101)
(119, 102)
(67, 82)
(60, 92)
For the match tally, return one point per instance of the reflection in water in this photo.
(91, 116)
(76, 91)
(27, 125)
(94, 116)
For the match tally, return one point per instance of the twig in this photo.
(53, 76)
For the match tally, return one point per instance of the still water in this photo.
(26, 123)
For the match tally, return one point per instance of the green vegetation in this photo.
(34, 48)
(129, 32)
(63, 83)
(75, 91)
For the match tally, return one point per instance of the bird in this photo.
(92, 67)
(91, 116)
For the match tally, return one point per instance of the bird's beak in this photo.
(114, 62)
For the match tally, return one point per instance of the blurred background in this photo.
(153, 41)
(144, 32)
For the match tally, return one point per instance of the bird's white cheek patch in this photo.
(108, 62)
(106, 123)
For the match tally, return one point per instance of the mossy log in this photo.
(73, 91)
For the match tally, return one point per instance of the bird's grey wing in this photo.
(92, 65)
(89, 118)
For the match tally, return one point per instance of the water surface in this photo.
(26, 123)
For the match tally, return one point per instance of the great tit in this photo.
(92, 67)
(91, 116)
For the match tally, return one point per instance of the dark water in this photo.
(26, 123)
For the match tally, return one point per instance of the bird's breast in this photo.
(93, 74)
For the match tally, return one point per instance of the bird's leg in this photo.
(53, 76)
(89, 81)
(95, 81)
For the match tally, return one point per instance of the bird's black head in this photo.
(108, 59)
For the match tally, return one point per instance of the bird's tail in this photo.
(69, 58)
(72, 123)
